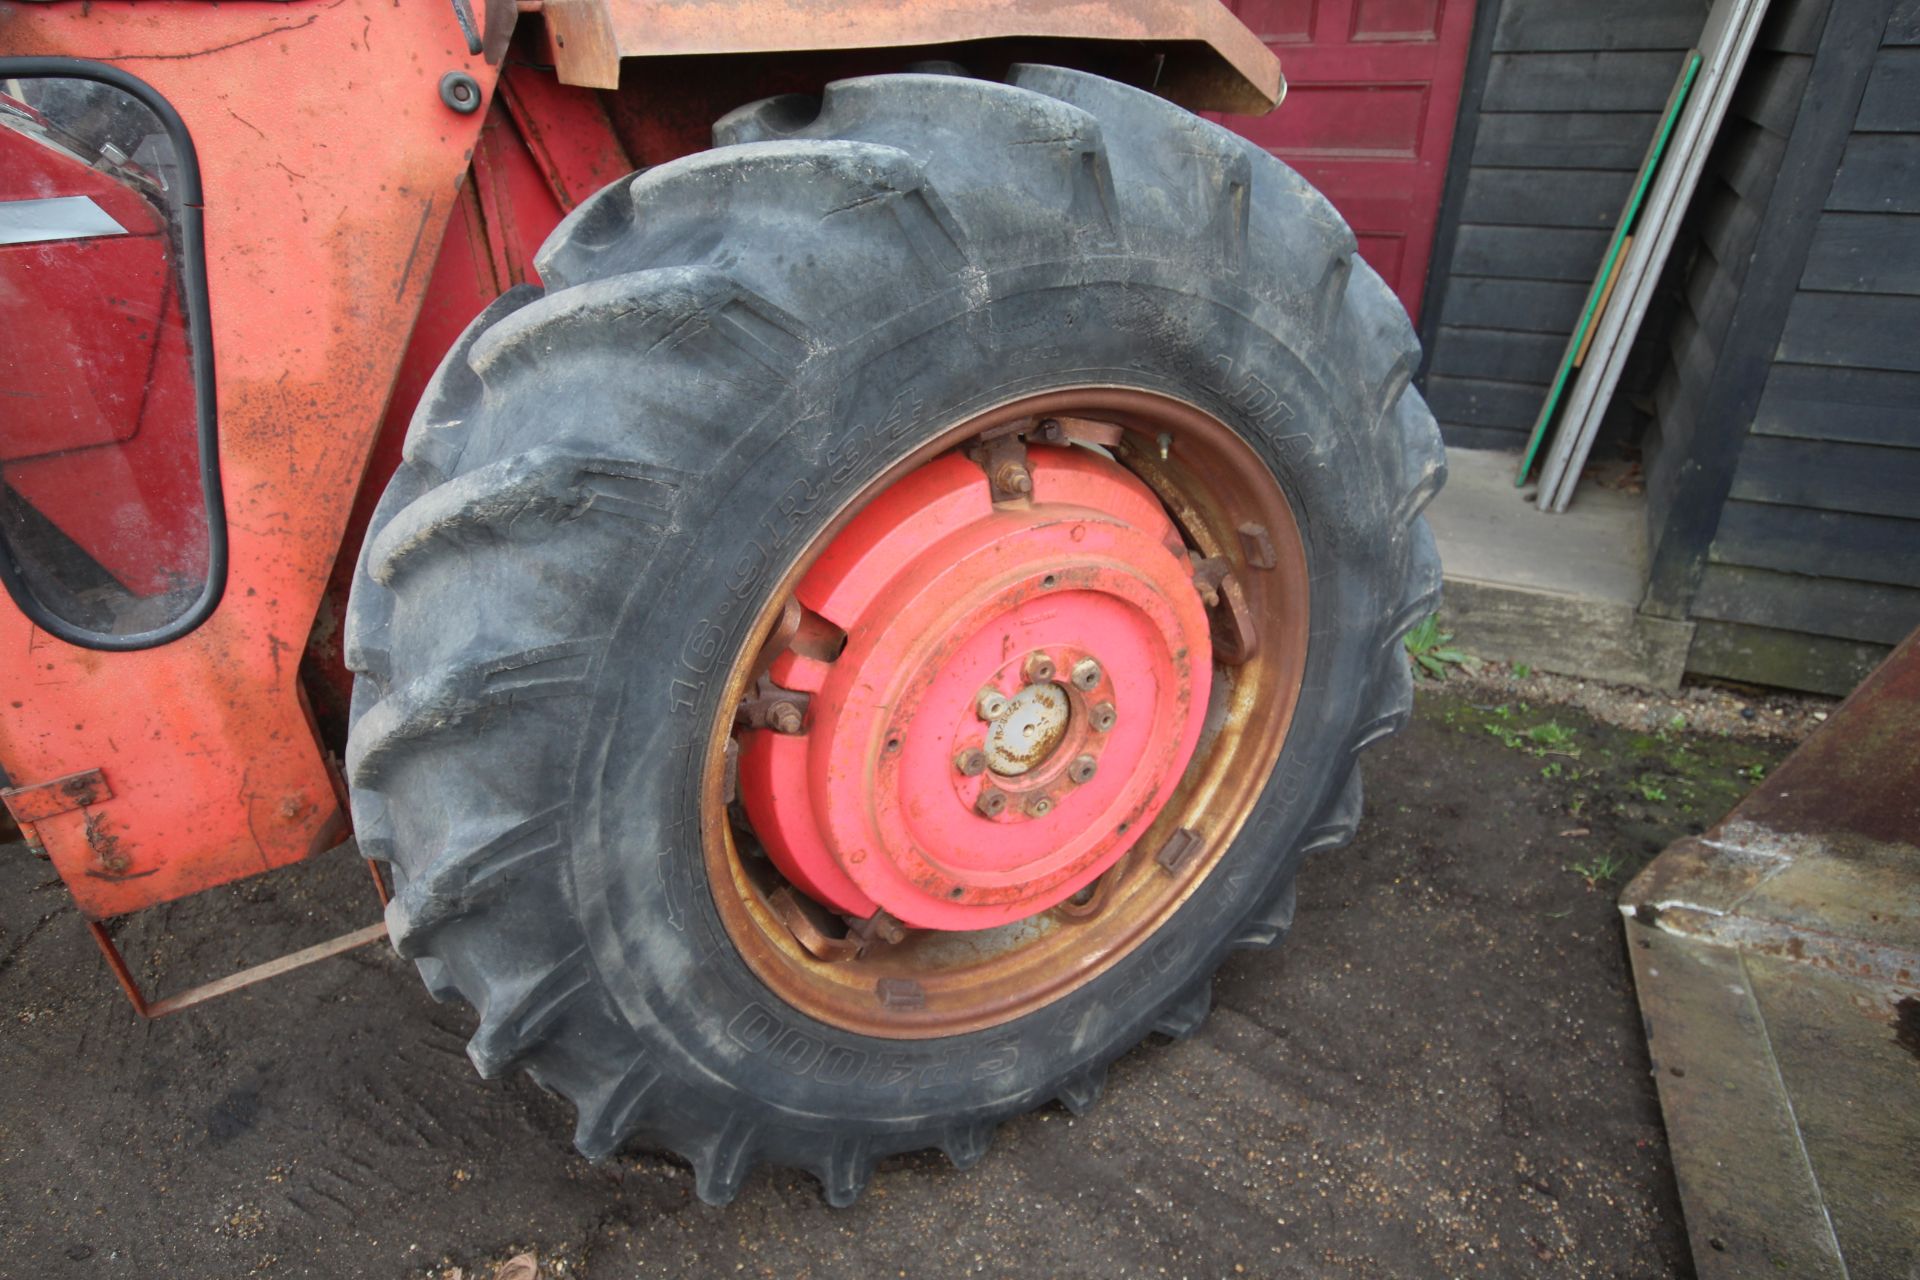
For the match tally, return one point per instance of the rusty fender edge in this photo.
(1212, 61)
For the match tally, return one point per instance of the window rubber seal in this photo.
(193, 273)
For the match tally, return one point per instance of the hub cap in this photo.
(1030, 731)
(1058, 640)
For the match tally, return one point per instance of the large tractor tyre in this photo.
(857, 652)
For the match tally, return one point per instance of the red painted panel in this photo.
(1395, 20)
(1384, 253)
(1373, 87)
(1280, 21)
(329, 164)
(1347, 119)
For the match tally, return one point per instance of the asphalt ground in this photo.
(1442, 1073)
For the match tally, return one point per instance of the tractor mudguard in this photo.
(1206, 60)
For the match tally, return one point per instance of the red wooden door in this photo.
(1373, 87)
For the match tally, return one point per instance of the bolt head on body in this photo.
(1086, 675)
(971, 762)
(1040, 806)
(1102, 717)
(1082, 769)
(1039, 668)
(992, 802)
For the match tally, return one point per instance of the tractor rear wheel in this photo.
(852, 656)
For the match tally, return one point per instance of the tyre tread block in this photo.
(1270, 925)
(1187, 1011)
(517, 1017)
(468, 865)
(442, 702)
(612, 1111)
(964, 1143)
(437, 433)
(1079, 1091)
(722, 1159)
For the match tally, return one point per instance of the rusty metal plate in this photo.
(62, 795)
(1777, 962)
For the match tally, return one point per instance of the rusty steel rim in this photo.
(882, 871)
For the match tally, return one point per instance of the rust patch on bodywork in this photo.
(62, 795)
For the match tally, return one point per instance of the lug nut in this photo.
(1040, 806)
(784, 717)
(1102, 717)
(1011, 477)
(1082, 769)
(1086, 674)
(972, 762)
(990, 705)
(1039, 668)
(992, 802)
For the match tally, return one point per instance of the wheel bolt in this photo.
(1040, 806)
(992, 802)
(1011, 477)
(784, 717)
(990, 705)
(1086, 674)
(1082, 769)
(972, 762)
(887, 929)
(1039, 668)
(1102, 717)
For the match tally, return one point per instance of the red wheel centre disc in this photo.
(1021, 689)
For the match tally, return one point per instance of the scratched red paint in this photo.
(329, 165)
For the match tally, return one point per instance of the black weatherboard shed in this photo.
(1773, 393)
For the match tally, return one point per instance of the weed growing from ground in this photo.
(1429, 648)
(1597, 870)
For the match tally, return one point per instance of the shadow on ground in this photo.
(1441, 1073)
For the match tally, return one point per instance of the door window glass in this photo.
(104, 499)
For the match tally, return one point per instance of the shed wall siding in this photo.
(1814, 567)
(1723, 225)
(1569, 99)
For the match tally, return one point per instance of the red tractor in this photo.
(848, 625)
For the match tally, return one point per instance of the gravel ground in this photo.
(1441, 1073)
(1729, 711)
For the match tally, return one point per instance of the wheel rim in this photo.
(1004, 715)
